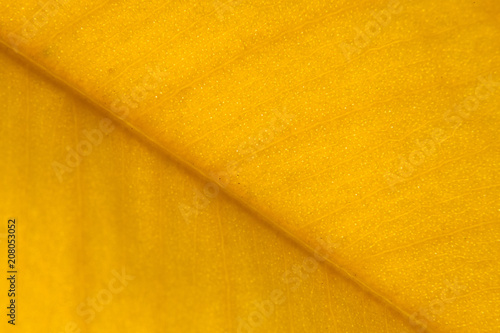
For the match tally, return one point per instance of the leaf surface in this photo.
(255, 166)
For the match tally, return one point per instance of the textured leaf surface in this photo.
(340, 159)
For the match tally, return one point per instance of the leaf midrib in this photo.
(400, 309)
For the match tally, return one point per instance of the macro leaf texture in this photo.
(251, 166)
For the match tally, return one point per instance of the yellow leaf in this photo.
(238, 166)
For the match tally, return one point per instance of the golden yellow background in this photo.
(247, 145)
